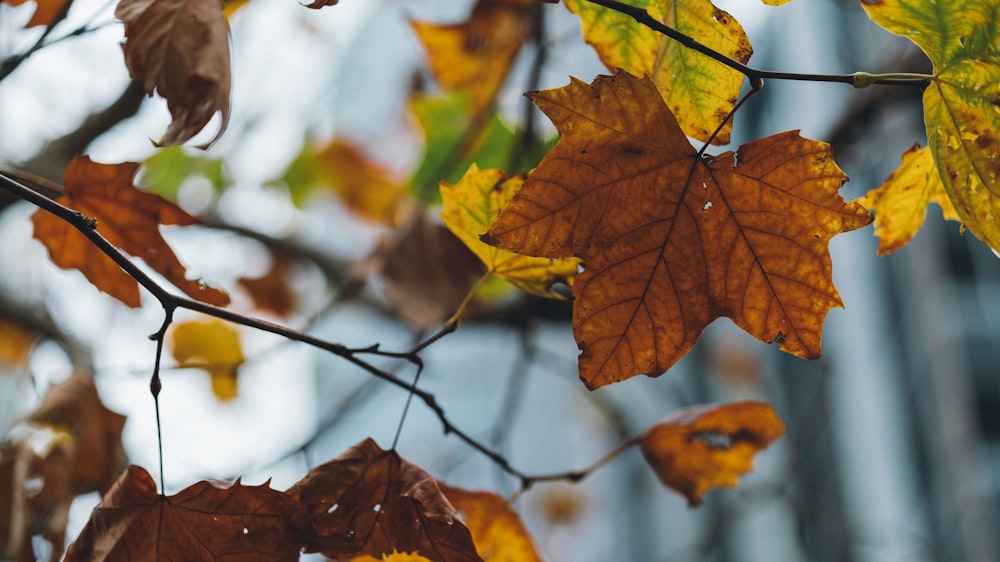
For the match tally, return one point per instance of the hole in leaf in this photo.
(706, 206)
(713, 439)
(377, 507)
(246, 531)
(333, 508)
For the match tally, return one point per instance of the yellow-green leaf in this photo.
(471, 205)
(211, 345)
(900, 203)
(962, 103)
(698, 90)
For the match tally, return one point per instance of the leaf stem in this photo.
(858, 80)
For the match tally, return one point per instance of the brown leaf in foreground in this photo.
(71, 444)
(672, 240)
(372, 502)
(206, 521)
(702, 447)
(129, 219)
(180, 48)
(497, 530)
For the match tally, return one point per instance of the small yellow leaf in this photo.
(699, 448)
(16, 343)
(900, 203)
(496, 528)
(211, 345)
(471, 205)
(394, 557)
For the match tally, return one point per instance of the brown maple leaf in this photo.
(129, 219)
(372, 502)
(206, 521)
(701, 447)
(671, 239)
(71, 444)
(180, 48)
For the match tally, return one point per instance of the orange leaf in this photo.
(206, 521)
(370, 501)
(71, 444)
(180, 48)
(394, 557)
(16, 343)
(128, 218)
(672, 240)
(364, 185)
(702, 447)
(497, 530)
(273, 291)
(46, 13)
(475, 56)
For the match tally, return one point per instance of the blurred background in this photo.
(893, 444)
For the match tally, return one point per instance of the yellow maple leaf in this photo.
(211, 345)
(471, 205)
(962, 102)
(698, 90)
(900, 203)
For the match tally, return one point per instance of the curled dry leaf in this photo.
(372, 502)
(702, 447)
(673, 239)
(206, 521)
(70, 445)
(496, 528)
(126, 217)
(180, 48)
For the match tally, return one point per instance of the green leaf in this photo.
(166, 171)
(962, 103)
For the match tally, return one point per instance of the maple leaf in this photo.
(496, 529)
(126, 217)
(47, 12)
(209, 520)
(372, 502)
(698, 448)
(698, 90)
(471, 206)
(71, 444)
(425, 271)
(671, 239)
(214, 346)
(180, 48)
(476, 56)
(900, 203)
(962, 102)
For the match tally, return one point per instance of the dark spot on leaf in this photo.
(634, 150)
(713, 439)
(475, 42)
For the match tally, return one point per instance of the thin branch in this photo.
(858, 80)
(170, 302)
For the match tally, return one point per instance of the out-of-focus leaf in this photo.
(214, 346)
(702, 447)
(209, 520)
(476, 56)
(394, 557)
(425, 271)
(900, 203)
(471, 206)
(273, 290)
(699, 90)
(166, 171)
(71, 444)
(372, 502)
(46, 12)
(673, 239)
(129, 219)
(16, 344)
(497, 530)
(180, 48)
(449, 151)
(962, 102)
